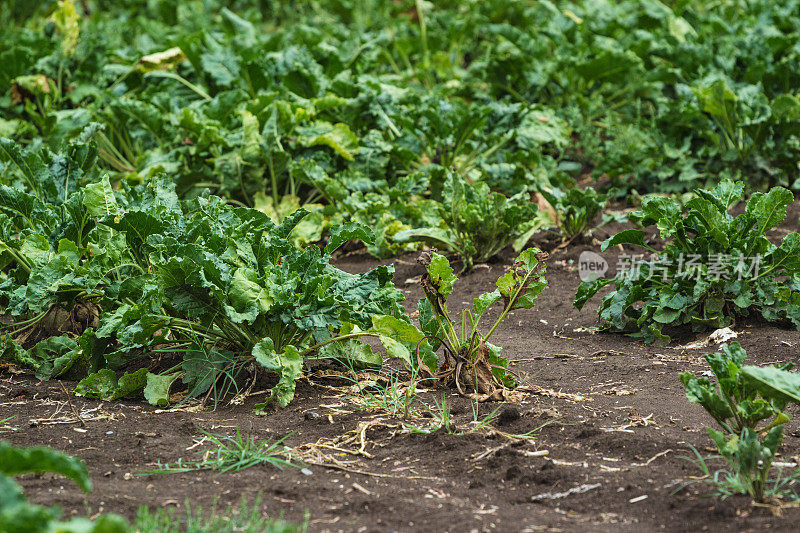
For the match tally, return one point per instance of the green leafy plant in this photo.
(17, 515)
(576, 209)
(95, 278)
(138, 269)
(208, 96)
(232, 454)
(714, 268)
(477, 223)
(748, 403)
(470, 363)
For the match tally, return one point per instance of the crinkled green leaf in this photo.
(714, 219)
(769, 209)
(337, 136)
(104, 385)
(441, 274)
(221, 63)
(248, 296)
(13, 353)
(59, 357)
(587, 289)
(98, 385)
(348, 231)
(289, 366)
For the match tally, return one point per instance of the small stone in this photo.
(306, 471)
(311, 415)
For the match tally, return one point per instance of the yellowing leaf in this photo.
(166, 60)
(337, 136)
(66, 19)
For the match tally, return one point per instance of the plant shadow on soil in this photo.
(627, 435)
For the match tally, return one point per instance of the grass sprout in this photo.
(441, 413)
(4, 427)
(232, 454)
(244, 518)
(481, 423)
(395, 396)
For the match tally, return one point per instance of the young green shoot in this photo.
(232, 454)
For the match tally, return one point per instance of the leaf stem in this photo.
(319, 345)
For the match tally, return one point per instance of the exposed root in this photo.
(473, 379)
(58, 321)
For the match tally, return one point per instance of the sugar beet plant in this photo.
(576, 209)
(714, 268)
(476, 223)
(748, 404)
(102, 282)
(471, 363)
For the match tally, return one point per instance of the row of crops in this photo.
(175, 177)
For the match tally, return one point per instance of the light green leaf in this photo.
(337, 136)
(157, 390)
(441, 274)
(541, 126)
(628, 236)
(397, 329)
(248, 296)
(401, 339)
(99, 198)
(251, 136)
(288, 365)
(481, 303)
(769, 209)
(352, 351)
(774, 382)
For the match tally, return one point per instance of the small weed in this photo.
(247, 518)
(396, 397)
(442, 416)
(481, 423)
(4, 427)
(232, 455)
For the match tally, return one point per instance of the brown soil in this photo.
(624, 438)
